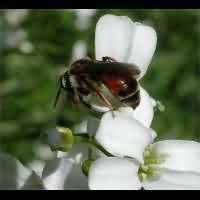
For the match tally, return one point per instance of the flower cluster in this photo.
(115, 152)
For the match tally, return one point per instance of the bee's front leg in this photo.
(76, 98)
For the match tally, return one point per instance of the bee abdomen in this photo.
(128, 88)
(133, 99)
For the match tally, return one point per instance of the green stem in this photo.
(90, 142)
(90, 150)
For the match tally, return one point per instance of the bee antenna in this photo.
(57, 95)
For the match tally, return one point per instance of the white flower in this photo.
(14, 176)
(119, 38)
(180, 170)
(122, 135)
(64, 174)
(37, 166)
(144, 112)
(114, 174)
(57, 174)
(125, 134)
(128, 133)
(88, 125)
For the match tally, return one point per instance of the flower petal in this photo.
(89, 125)
(113, 37)
(33, 183)
(36, 166)
(93, 124)
(143, 45)
(174, 180)
(144, 112)
(62, 173)
(80, 127)
(42, 150)
(122, 135)
(182, 155)
(77, 154)
(13, 174)
(113, 174)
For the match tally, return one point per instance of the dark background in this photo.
(35, 45)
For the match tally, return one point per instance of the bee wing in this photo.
(114, 69)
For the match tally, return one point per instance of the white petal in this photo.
(113, 37)
(144, 42)
(37, 166)
(118, 37)
(89, 125)
(52, 137)
(80, 127)
(122, 135)
(13, 174)
(174, 180)
(144, 112)
(182, 155)
(63, 173)
(113, 174)
(43, 152)
(77, 154)
(33, 183)
(93, 124)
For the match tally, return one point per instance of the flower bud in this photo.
(59, 139)
(86, 166)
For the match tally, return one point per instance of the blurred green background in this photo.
(36, 45)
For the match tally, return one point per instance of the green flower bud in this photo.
(86, 166)
(59, 139)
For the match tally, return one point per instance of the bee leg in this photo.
(76, 98)
(108, 59)
(84, 103)
(104, 100)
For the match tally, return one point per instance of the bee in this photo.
(87, 76)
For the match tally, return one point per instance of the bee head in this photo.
(64, 83)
